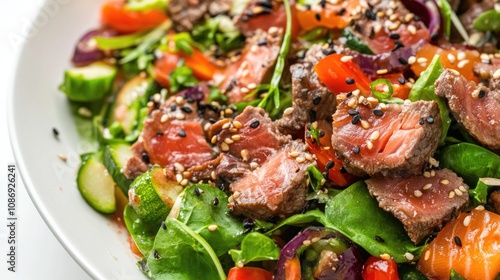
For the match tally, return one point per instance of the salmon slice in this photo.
(475, 107)
(421, 202)
(278, 188)
(385, 139)
(470, 245)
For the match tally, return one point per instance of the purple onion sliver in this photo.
(86, 50)
(427, 11)
(350, 266)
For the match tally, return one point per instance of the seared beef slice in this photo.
(421, 203)
(475, 107)
(385, 139)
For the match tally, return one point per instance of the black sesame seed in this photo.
(434, 37)
(173, 107)
(370, 15)
(143, 266)
(323, 3)
(430, 120)
(349, 81)
(421, 121)
(349, 94)
(321, 134)
(355, 150)
(352, 112)
(156, 255)
(266, 11)
(307, 6)
(378, 112)
(159, 133)
(329, 164)
(357, 28)
(248, 223)
(145, 157)
(312, 115)
(163, 225)
(265, 3)
(55, 132)
(342, 170)
(397, 45)
(394, 36)
(401, 80)
(457, 241)
(190, 100)
(482, 93)
(341, 12)
(254, 124)
(244, 18)
(215, 201)
(403, 61)
(324, 174)
(186, 109)
(212, 120)
(355, 119)
(181, 133)
(328, 51)
(379, 239)
(352, 22)
(372, 33)
(197, 191)
(262, 43)
(318, 16)
(317, 100)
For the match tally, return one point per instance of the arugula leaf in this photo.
(423, 89)
(255, 247)
(181, 78)
(181, 253)
(488, 21)
(357, 215)
(142, 233)
(274, 91)
(199, 212)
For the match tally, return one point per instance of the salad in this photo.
(307, 139)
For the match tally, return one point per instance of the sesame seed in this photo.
(244, 90)
(254, 124)
(184, 182)
(451, 58)
(180, 116)
(369, 145)
(145, 157)
(379, 239)
(457, 240)
(467, 221)
(496, 75)
(412, 29)
(306, 242)
(427, 174)
(461, 64)
(445, 182)
(224, 147)
(213, 175)
(254, 165)
(462, 189)
(411, 60)
(356, 92)
(451, 194)
(236, 137)
(482, 93)
(329, 165)
(382, 71)
(375, 135)
(461, 55)
(244, 154)
(308, 156)
(433, 172)
(214, 139)
(288, 111)
(226, 125)
(317, 100)
(427, 186)
(356, 150)
(458, 192)
(475, 94)
(403, 61)
(355, 119)
(349, 81)
(62, 157)
(430, 120)
(417, 193)
(385, 257)
(346, 58)
(409, 256)
(179, 167)
(300, 159)
(163, 118)
(480, 208)
(182, 133)
(394, 36)
(352, 102)
(427, 255)
(156, 255)
(378, 112)
(228, 141)
(84, 112)
(365, 124)
(212, 227)
(421, 60)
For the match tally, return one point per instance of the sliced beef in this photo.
(253, 67)
(250, 137)
(385, 139)
(261, 14)
(277, 188)
(476, 108)
(494, 201)
(185, 14)
(486, 71)
(470, 15)
(421, 203)
(311, 100)
(173, 137)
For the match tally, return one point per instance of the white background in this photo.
(39, 254)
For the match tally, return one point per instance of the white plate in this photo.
(94, 241)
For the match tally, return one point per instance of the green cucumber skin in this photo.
(114, 167)
(88, 168)
(81, 89)
(470, 162)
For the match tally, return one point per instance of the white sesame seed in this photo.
(179, 100)
(226, 125)
(461, 64)
(288, 111)
(411, 28)
(445, 181)
(346, 58)
(385, 257)
(365, 124)
(352, 103)
(306, 242)
(228, 141)
(451, 194)
(294, 154)
(463, 189)
(178, 178)
(433, 173)
(433, 162)
(84, 112)
(254, 48)
(382, 71)
(480, 208)
(273, 30)
(236, 137)
(427, 186)
(496, 75)
(427, 174)
(244, 154)
(237, 124)
(308, 156)
(254, 165)
(356, 92)
(475, 94)
(467, 221)
(224, 147)
(251, 86)
(411, 60)
(417, 193)
(179, 167)
(213, 175)
(214, 139)
(212, 227)
(184, 182)
(458, 192)
(409, 256)
(236, 194)
(461, 55)
(421, 60)
(300, 159)
(427, 255)
(369, 145)
(180, 116)
(377, 27)
(455, 72)
(62, 157)
(451, 58)
(164, 118)
(244, 90)
(375, 135)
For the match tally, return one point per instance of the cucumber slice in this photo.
(128, 102)
(95, 184)
(152, 195)
(115, 157)
(89, 83)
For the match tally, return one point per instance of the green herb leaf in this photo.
(455, 276)
(483, 188)
(488, 21)
(423, 89)
(199, 213)
(146, 5)
(255, 247)
(120, 42)
(142, 233)
(181, 78)
(181, 253)
(147, 42)
(274, 91)
(357, 215)
(316, 179)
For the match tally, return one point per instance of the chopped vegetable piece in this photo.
(380, 269)
(114, 13)
(249, 273)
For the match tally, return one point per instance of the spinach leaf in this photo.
(199, 212)
(180, 253)
(357, 215)
(423, 89)
(409, 272)
(301, 219)
(480, 193)
(488, 21)
(142, 233)
(470, 162)
(316, 179)
(353, 42)
(255, 247)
